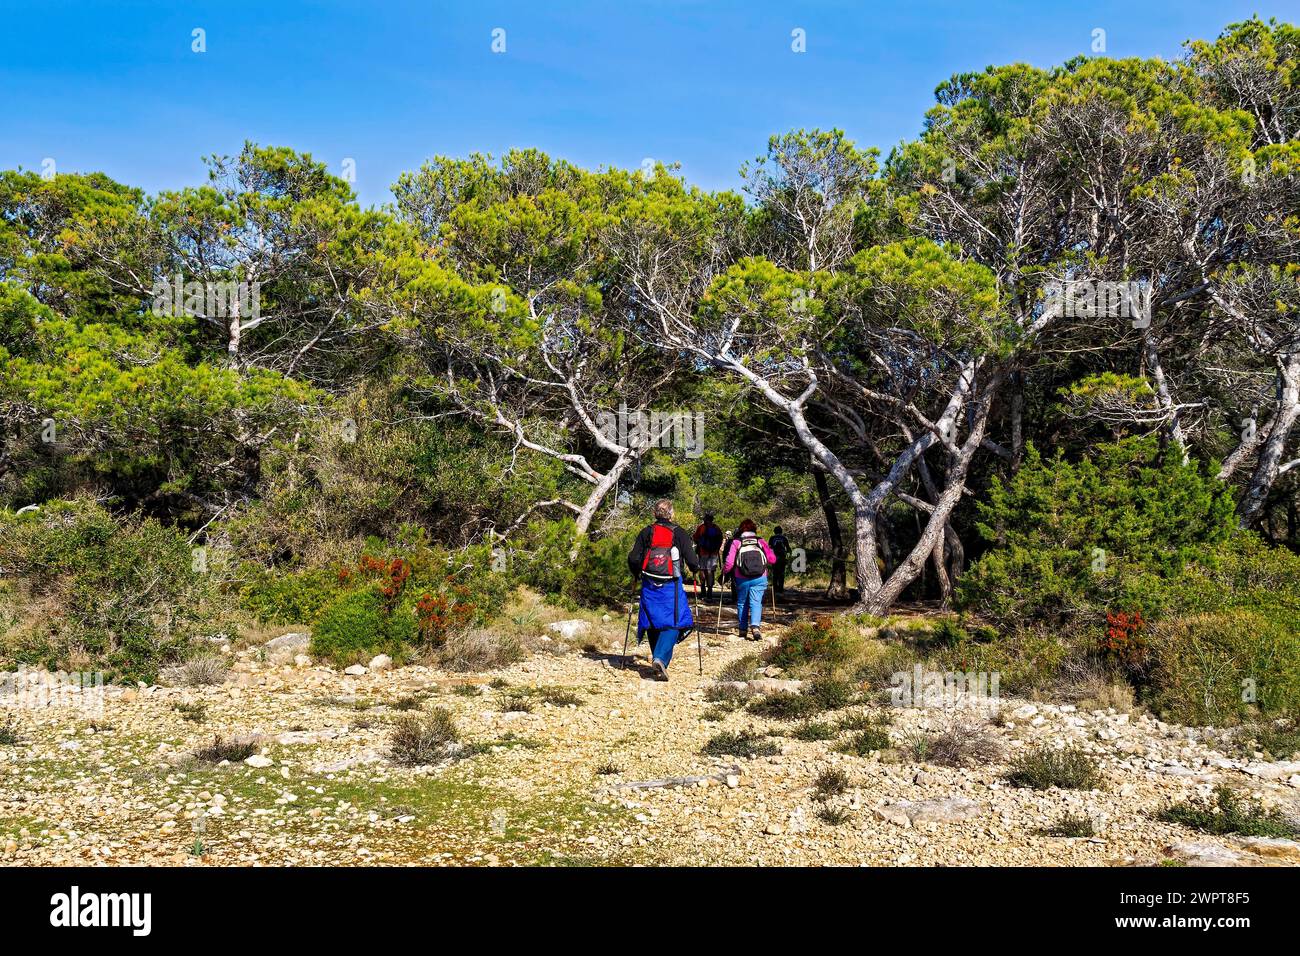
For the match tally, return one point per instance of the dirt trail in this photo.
(549, 784)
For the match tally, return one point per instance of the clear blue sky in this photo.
(112, 85)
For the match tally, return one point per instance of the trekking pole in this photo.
(699, 640)
(628, 632)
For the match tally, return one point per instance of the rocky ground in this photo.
(563, 783)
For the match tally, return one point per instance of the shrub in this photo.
(420, 741)
(814, 730)
(869, 741)
(1070, 825)
(600, 577)
(221, 749)
(1278, 739)
(1203, 664)
(963, 744)
(205, 671)
(819, 644)
(744, 744)
(742, 669)
(9, 733)
(287, 597)
(358, 625)
(829, 783)
(833, 816)
(1042, 768)
(1097, 534)
(124, 595)
(1227, 813)
(479, 649)
(784, 706)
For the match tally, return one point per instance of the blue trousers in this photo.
(664, 643)
(749, 601)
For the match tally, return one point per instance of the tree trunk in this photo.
(838, 589)
(1270, 454)
(878, 601)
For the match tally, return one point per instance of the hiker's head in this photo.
(664, 509)
(778, 530)
(708, 519)
(748, 526)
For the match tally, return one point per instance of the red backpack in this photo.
(658, 560)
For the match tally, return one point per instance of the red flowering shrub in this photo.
(1126, 640)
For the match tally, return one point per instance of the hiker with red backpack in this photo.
(708, 544)
(657, 558)
(748, 559)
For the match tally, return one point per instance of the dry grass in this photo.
(206, 671)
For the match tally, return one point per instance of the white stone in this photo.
(381, 663)
(356, 670)
(259, 761)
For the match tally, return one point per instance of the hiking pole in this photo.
(628, 632)
(699, 640)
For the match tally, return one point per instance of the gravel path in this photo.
(550, 785)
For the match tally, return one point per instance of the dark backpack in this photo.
(658, 560)
(711, 538)
(751, 562)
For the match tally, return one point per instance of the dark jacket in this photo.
(681, 540)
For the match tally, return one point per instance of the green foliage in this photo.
(1224, 667)
(1106, 532)
(819, 644)
(1069, 768)
(1070, 825)
(120, 594)
(419, 741)
(744, 744)
(1228, 813)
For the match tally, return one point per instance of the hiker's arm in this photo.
(636, 555)
(731, 558)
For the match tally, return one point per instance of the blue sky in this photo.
(114, 85)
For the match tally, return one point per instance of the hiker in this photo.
(781, 548)
(748, 559)
(656, 559)
(708, 545)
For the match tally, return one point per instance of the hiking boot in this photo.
(661, 672)
(757, 634)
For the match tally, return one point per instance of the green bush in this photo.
(1208, 667)
(1070, 768)
(1227, 813)
(358, 625)
(288, 597)
(123, 595)
(1108, 532)
(600, 575)
(393, 604)
(821, 644)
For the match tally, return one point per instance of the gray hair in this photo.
(663, 508)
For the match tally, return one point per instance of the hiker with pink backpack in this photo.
(748, 559)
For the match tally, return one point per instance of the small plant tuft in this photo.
(419, 741)
(829, 783)
(221, 749)
(1070, 825)
(744, 744)
(1227, 813)
(1070, 768)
